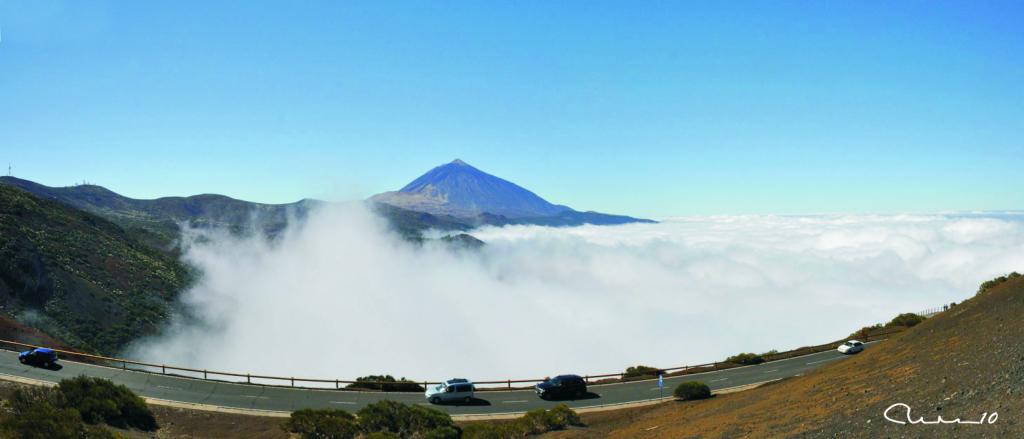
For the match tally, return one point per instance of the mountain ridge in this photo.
(460, 190)
(157, 221)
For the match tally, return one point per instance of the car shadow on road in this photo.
(585, 396)
(53, 367)
(474, 402)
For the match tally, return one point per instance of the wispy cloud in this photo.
(339, 296)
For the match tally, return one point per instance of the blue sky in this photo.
(643, 108)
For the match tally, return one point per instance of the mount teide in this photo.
(459, 190)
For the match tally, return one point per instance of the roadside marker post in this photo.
(661, 384)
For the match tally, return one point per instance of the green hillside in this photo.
(155, 222)
(79, 277)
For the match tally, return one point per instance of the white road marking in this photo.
(770, 371)
(652, 428)
(167, 387)
(254, 396)
(342, 402)
(827, 359)
(720, 379)
(513, 402)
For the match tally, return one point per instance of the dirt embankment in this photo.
(14, 331)
(962, 363)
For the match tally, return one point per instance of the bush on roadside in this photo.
(44, 413)
(746, 358)
(406, 420)
(534, 422)
(494, 430)
(906, 319)
(985, 286)
(691, 390)
(541, 421)
(386, 383)
(381, 420)
(42, 420)
(99, 400)
(865, 332)
(323, 424)
(640, 372)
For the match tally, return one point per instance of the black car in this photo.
(562, 386)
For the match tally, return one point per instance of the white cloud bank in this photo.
(339, 297)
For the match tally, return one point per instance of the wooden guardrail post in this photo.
(204, 374)
(510, 384)
(248, 378)
(293, 381)
(124, 365)
(337, 384)
(163, 369)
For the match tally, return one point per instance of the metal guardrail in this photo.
(932, 311)
(507, 384)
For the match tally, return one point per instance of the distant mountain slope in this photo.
(155, 222)
(162, 215)
(461, 191)
(79, 277)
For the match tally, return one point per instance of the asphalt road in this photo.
(245, 396)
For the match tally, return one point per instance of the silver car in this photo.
(851, 347)
(455, 389)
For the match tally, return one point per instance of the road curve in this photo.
(286, 399)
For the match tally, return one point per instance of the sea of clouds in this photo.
(340, 296)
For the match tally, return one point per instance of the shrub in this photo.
(906, 319)
(100, 400)
(987, 285)
(323, 424)
(745, 359)
(42, 420)
(562, 416)
(386, 383)
(865, 332)
(640, 372)
(494, 430)
(406, 421)
(534, 422)
(691, 390)
(41, 412)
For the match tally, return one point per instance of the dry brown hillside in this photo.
(14, 331)
(959, 364)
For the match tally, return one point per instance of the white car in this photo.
(851, 347)
(455, 389)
